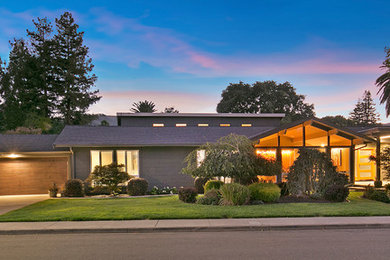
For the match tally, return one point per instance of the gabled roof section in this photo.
(319, 123)
(28, 143)
(99, 136)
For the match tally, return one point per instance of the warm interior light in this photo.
(224, 125)
(203, 124)
(13, 155)
(158, 125)
(181, 125)
(286, 152)
(385, 136)
(322, 145)
(246, 125)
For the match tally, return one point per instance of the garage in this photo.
(30, 164)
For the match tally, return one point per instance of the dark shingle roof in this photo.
(28, 143)
(84, 136)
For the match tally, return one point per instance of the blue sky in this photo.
(184, 53)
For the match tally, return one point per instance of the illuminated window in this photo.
(203, 124)
(181, 125)
(100, 158)
(130, 161)
(224, 125)
(158, 125)
(200, 156)
(246, 125)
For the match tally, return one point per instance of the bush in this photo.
(368, 191)
(387, 187)
(188, 194)
(266, 192)
(166, 190)
(199, 183)
(283, 189)
(336, 193)
(234, 194)
(212, 197)
(378, 184)
(100, 190)
(74, 188)
(212, 184)
(109, 175)
(137, 187)
(379, 195)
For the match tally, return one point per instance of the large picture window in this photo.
(101, 158)
(130, 159)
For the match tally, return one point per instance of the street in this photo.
(297, 244)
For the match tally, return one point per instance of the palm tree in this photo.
(383, 82)
(143, 107)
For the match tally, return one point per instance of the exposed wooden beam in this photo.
(310, 122)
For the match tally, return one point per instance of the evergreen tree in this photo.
(73, 68)
(364, 112)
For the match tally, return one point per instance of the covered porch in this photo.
(350, 151)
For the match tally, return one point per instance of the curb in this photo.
(194, 229)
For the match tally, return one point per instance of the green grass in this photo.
(172, 208)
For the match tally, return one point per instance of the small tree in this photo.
(231, 156)
(170, 110)
(312, 172)
(364, 112)
(143, 107)
(109, 175)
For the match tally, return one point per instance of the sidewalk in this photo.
(188, 225)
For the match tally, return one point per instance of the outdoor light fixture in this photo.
(13, 156)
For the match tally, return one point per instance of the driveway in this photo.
(12, 202)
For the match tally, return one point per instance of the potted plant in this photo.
(53, 190)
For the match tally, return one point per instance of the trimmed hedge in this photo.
(74, 188)
(188, 194)
(234, 194)
(137, 187)
(336, 193)
(266, 192)
(213, 184)
(199, 183)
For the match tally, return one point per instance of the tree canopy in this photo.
(48, 77)
(143, 107)
(265, 97)
(383, 82)
(364, 112)
(231, 156)
(170, 110)
(339, 121)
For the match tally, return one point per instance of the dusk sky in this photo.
(184, 53)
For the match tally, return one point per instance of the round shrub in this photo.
(283, 189)
(378, 184)
(379, 195)
(199, 182)
(188, 194)
(336, 193)
(234, 194)
(137, 187)
(213, 184)
(212, 197)
(266, 192)
(74, 188)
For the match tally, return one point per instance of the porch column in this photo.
(303, 135)
(328, 145)
(352, 164)
(378, 156)
(279, 160)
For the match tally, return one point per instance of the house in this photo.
(154, 145)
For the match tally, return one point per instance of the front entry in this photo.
(365, 170)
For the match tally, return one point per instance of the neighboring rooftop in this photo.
(279, 115)
(28, 143)
(89, 136)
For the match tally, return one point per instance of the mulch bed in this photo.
(294, 199)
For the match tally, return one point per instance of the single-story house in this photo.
(153, 146)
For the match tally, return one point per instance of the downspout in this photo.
(72, 171)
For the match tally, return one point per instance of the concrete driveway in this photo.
(12, 202)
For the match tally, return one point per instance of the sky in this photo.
(184, 53)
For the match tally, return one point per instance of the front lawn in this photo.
(172, 208)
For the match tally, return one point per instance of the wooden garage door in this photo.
(31, 175)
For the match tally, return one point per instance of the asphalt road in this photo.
(309, 244)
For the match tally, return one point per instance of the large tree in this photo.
(73, 71)
(143, 107)
(338, 120)
(383, 82)
(265, 97)
(364, 112)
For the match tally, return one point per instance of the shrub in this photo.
(137, 187)
(368, 191)
(100, 190)
(266, 192)
(212, 197)
(199, 183)
(234, 194)
(74, 188)
(53, 190)
(283, 189)
(336, 193)
(166, 190)
(387, 187)
(378, 184)
(212, 184)
(379, 195)
(188, 194)
(109, 175)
